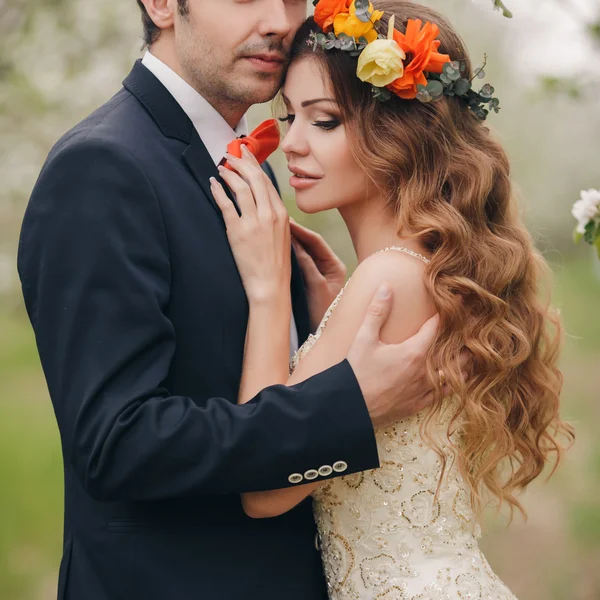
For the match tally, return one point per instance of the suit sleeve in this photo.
(95, 269)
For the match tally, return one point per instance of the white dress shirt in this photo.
(213, 129)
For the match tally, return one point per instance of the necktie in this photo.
(262, 142)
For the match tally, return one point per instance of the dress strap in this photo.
(406, 251)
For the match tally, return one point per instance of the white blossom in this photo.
(586, 209)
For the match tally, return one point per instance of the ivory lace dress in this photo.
(383, 533)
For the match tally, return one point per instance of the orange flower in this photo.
(420, 47)
(327, 10)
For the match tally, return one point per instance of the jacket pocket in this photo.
(126, 524)
(63, 572)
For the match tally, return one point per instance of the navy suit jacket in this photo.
(140, 319)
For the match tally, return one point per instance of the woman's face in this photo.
(324, 172)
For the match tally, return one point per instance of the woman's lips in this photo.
(303, 182)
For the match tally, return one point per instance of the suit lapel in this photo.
(175, 124)
(201, 165)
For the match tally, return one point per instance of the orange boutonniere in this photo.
(327, 10)
(420, 47)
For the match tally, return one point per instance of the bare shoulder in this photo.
(412, 305)
(404, 275)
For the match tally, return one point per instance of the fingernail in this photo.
(383, 293)
(212, 180)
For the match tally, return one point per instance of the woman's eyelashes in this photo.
(326, 124)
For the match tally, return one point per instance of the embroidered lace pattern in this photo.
(390, 533)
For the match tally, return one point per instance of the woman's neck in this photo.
(373, 227)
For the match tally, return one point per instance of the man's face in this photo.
(236, 51)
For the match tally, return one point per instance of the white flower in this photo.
(586, 209)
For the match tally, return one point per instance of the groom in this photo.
(140, 319)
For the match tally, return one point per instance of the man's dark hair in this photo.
(151, 31)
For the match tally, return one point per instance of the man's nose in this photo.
(276, 21)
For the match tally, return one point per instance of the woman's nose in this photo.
(294, 142)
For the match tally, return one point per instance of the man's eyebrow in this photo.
(309, 102)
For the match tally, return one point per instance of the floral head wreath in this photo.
(405, 64)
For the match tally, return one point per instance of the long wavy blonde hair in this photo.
(448, 182)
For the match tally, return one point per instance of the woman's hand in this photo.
(324, 273)
(260, 237)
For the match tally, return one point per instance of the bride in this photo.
(424, 190)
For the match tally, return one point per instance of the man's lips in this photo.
(267, 61)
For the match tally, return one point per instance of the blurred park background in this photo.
(59, 59)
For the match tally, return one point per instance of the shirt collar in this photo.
(213, 129)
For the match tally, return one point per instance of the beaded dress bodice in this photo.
(390, 533)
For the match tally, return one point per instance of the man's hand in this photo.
(392, 377)
(324, 273)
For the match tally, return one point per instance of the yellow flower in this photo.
(352, 26)
(381, 62)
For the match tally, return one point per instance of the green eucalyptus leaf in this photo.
(454, 75)
(487, 91)
(362, 10)
(381, 94)
(479, 73)
(423, 95)
(445, 79)
(435, 88)
(455, 65)
(462, 86)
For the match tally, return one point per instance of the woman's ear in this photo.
(161, 12)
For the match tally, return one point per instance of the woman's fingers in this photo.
(307, 264)
(313, 242)
(276, 201)
(230, 214)
(242, 191)
(250, 172)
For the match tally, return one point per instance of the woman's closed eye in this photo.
(326, 124)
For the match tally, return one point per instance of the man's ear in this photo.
(161, 12)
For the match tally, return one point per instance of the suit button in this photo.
(311, 474)
(295, 478)
(325, 471)
(340, 466)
